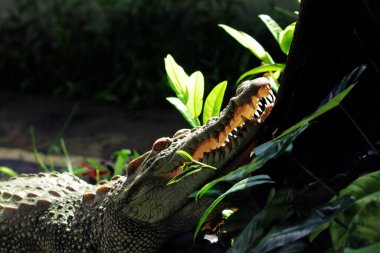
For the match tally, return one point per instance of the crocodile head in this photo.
(148, 198)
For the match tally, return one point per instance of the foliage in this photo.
(91, 170)
(270, 229)
(190, 166)
(189, 91)
(363, 217)
(8, 171)
(284, 39)
(110, 50)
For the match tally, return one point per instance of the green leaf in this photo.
(375, 248)
(321, 110)
(190, 167)
(363, 190)
(181, 107)
(239, 186)
(249, 235)
(185, 155)
(214, 101)
(189, 171)
(286, 37)
(8, 171)
(250, 43)
(273, 27)
(291, 231)
(333, 99)
(177, 77)
(364, 229)
(264, 153)
(276, 211)
(122, 158)
(262, 69)
(195, 94)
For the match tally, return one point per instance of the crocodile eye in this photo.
(161, 144)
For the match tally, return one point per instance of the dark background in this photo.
(92, 72)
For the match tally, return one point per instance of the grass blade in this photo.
(37, 155)
(67, 157)
(8, 171)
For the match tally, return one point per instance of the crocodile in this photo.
(138, 212)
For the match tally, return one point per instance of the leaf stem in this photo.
(360, 130)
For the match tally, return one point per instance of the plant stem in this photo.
(360, 130)
(327, 187)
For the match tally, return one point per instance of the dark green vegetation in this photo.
(113, 50)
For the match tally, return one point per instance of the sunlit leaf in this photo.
(181, 107)
(185, 155)
(262, 69)
(195, 94)
(272, 25)
(214, 101)
(8, 171)
(250, 43)
(189, 171)
(177, 77)
(286, 37)
(239, 186)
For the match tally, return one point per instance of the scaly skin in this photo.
(135, 213)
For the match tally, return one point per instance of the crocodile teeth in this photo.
(245, 119)
(262, 106)
(252, 105)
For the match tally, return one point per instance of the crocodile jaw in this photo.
(149, 199)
